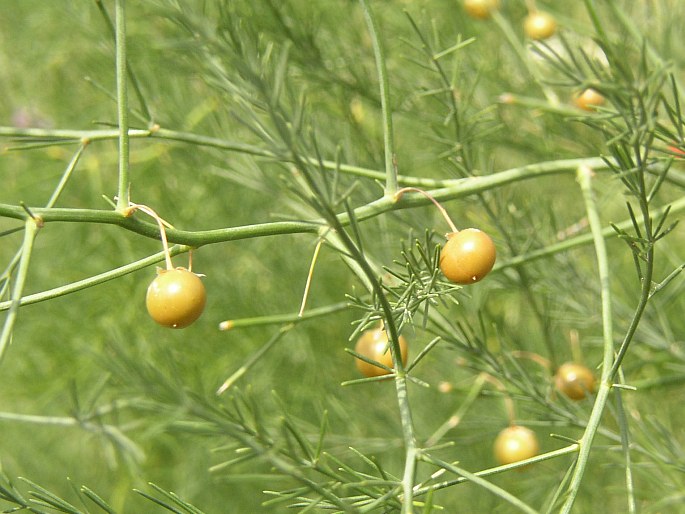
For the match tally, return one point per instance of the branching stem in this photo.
(31, 228)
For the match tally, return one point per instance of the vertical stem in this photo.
(388, 138)
(122, 104)
(406, 418)
(625, 443)
(584, 175)
(30, 231)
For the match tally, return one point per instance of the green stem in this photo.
(30, 231)
(573, 448)
(585, 180)
(479, 480)
(66, 176)
(51, 202)
(146, 114)
(581, 240)
(254, 358)
(457, 189)
(625, 445)
(522, 172)
(92, 281)
(637, 316)
(406, 418)
(122, 105)
(388, 137)
(279, 319)
(199, 238)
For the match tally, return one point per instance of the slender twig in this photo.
(278, 319)
(625, 445)
(388, 138)
(146, 114)
(489, 486)
(31, 228)
(442, 210)
(310, 274)
(573, 448)
(95, 280)
(254, 358)
(122, 105)
(460, 189)
(161, 224)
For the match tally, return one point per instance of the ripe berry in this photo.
(175, 298)
(589, 99)
(515, 443)
(539, 25)
(480, 9)
(467, 256)
(574, 380)
(373, 344)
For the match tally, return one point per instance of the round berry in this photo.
(589, 99)
(539, 25)
(373, 344)
(175, 298)
(467, 256)
(574, 380)
(516, 443)
(480, 9)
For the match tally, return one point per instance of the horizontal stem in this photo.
(274, 229)
(156, 132)
(458, 189)
(191, 238)
(278, 319)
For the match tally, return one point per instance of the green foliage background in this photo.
(97, 348)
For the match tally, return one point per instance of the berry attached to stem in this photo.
(467, 256)
(175, 298)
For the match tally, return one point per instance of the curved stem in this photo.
(162, 230)
(442, 210)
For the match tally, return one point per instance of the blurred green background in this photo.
(97, 347)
